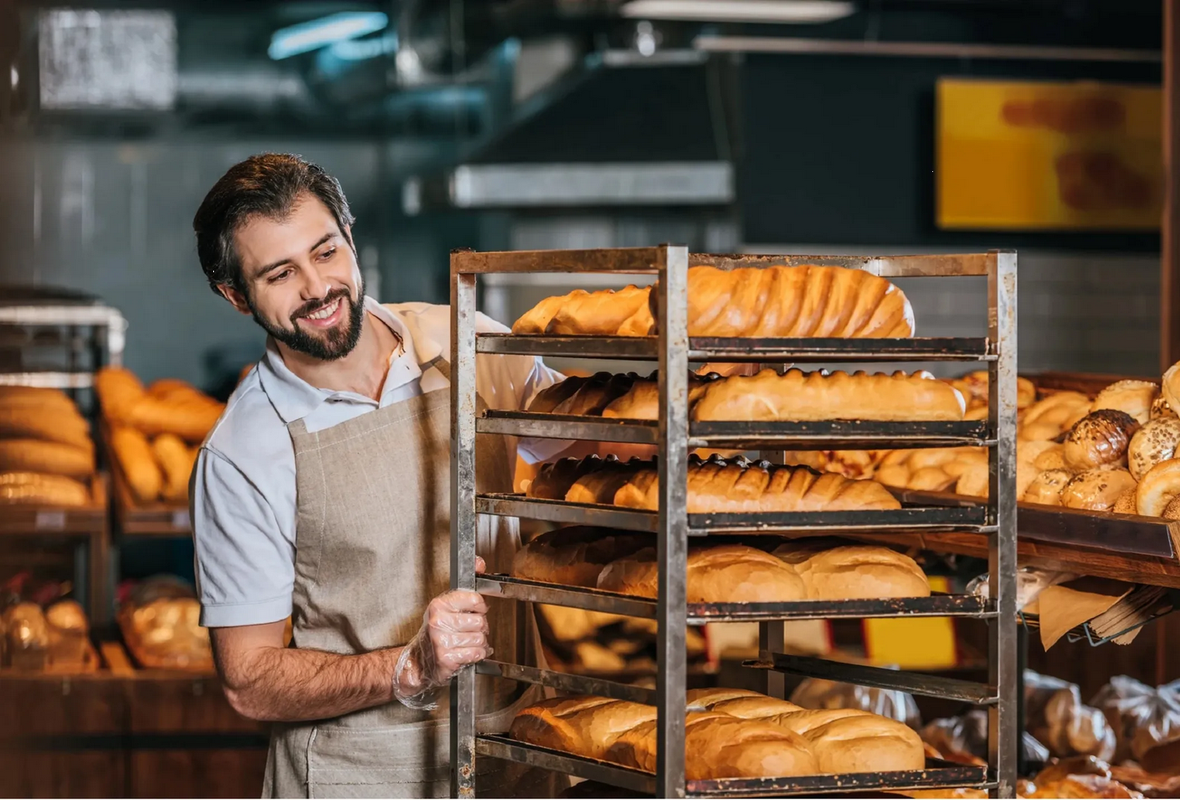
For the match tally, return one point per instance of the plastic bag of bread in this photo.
(27, 637)
(963, 739)
(888, 703)
(1142, 716)
(69, 633)
(1056, 716)
(160, 621)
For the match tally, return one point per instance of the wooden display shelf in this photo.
(136, 519)
(63, 521)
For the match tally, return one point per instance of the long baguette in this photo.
(36, 488)
(51, 458)
(777, 301)
(51, 423)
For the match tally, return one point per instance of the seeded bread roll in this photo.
(1099, 439)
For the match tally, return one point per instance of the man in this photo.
(323, 493)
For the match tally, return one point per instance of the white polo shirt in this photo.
(243, 497)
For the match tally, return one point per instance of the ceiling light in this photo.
(798, 11)
(308, 36)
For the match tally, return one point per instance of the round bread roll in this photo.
(1051, 457)
(716, 574)
(1154, 442)
(573, 556)
(1131, 397)
(1172, 510)
(1099, 438)
(1170, 386)
(975, 481)
(962, 462)
(1046, 487)
(854, 572)
(1126, 502)
(930, 479)
(1161, 410)
(859, 742)
(1096, 489)
(1158, 488)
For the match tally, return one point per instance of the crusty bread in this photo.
(775, 301)
(810, 396)
(50, 458)
(51, 423)
(138, 463)
(716, 574)
(1097, 489)
(600, 486)
(586, 726)
(704, 699)
(596, 394)
(740, 486)
(1131, 397)
(859, 742)
(1099, 439)
(850, 572)
(573, 556)
(642, 401)
(176, 461)
(552, 396)
(722, 746)
(1158, 487)
(1155, 442)
(174, 407)
(553, 480)
(34, 488)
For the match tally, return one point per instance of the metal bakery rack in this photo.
(674, 528)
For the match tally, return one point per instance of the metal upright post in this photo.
(1003, 737)
(672, 549)
(463, 516)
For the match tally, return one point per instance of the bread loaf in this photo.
(172, 407)
(722, 746)
(716, 574)
(585, 726)
(50, 423)
(36, 396)
(118, 391)
(811, 396)
(739, 486)
(176, 462)
(600, 486)
(1100, 438)
(51, 458)
(1046, 487)
(553, 480)
(34, 488)
(552, 396)
(852, 572)
(596, 394)
(573, 556)
(778, 301)
(642, 401)
(138, 464)
(974, 388)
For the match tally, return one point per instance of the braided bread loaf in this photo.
(803, 301)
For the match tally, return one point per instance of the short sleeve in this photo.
(245, 566)
(515, 381)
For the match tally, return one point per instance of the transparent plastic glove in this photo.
(454, 634)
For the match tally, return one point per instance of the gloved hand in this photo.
(454, 633)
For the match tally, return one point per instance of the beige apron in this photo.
(372, 548)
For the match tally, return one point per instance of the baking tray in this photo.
(937, 605)
(747, 349)
(961, 518)
(937, 775)
(827, 435)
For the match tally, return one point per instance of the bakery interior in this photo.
(1037, 140)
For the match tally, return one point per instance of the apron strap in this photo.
(441, 364)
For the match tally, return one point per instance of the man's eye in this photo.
(278, 276)
(331, 251)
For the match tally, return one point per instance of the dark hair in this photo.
(269, 185)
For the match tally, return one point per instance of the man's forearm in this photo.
(281, 684)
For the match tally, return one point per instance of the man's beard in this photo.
(334, 343)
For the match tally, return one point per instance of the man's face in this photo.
(302, 283)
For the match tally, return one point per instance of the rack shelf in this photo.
(829, 435)
(992, 522)
(647, 348)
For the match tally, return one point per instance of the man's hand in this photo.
(454, 634)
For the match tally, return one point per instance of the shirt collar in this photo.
(294, 398)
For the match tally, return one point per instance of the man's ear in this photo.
(236, 298)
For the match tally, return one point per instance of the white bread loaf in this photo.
(573, 556)
(585, 726)
(50, 458)
(34, 488)
(851, 572)
(803, 301)
(716, 574)
(811, 396)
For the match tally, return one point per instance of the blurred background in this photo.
(802, 126)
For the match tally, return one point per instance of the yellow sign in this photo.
(1040, 156)
(919, 643)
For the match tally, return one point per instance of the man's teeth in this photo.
(325, 312)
